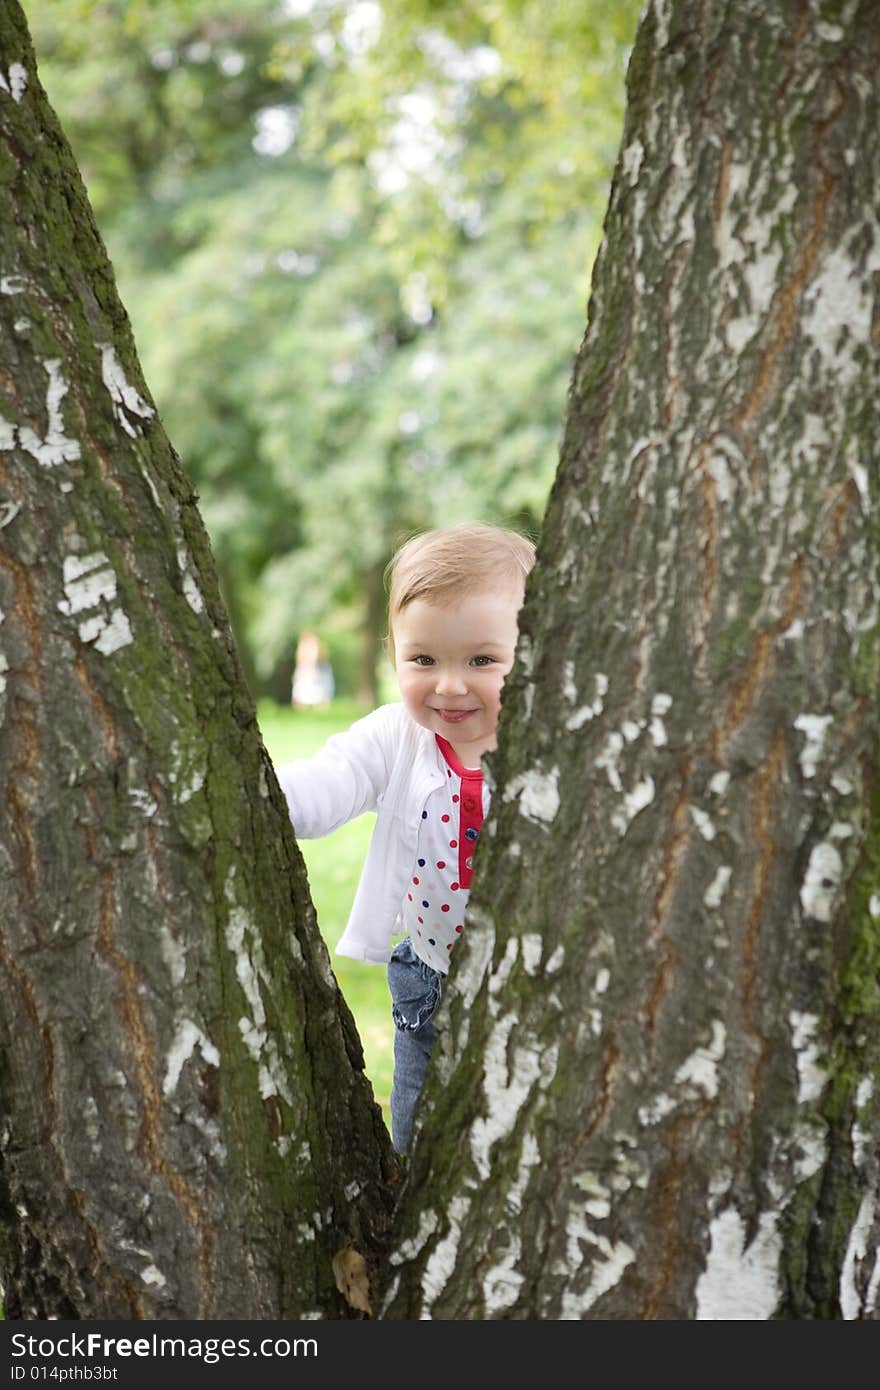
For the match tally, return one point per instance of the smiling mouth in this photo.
(454, 716)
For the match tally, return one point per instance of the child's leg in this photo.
(412, 1052)
(415, 994)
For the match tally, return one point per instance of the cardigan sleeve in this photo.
(345, 778)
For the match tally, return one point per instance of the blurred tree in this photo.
(356, 256)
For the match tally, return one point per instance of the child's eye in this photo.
(483, 660)
(423, 660)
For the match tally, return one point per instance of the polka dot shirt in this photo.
(435, 902)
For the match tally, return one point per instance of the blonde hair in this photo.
(453, 561)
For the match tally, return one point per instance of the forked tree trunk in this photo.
(187, 1130)
(657, 1090)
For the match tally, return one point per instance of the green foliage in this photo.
(356, 260)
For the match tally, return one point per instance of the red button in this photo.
(469, 803)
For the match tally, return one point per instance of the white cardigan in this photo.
(385, 763)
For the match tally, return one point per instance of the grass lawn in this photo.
(334, 865)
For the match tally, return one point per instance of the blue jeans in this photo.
(415, 994)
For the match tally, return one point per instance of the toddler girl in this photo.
(453, 603)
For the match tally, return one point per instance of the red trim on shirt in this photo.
(470, 810)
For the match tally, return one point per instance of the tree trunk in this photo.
(371, 635)
(656, 1089)
(187, 1128)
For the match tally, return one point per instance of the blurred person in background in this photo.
(313, 683)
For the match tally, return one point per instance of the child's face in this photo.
(451, 661)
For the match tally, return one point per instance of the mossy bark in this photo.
(187, 1131)
(657, 1093)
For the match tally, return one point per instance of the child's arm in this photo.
(344, 779)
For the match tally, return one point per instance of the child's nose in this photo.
(450, 683)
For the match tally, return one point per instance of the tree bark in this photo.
(655, 1088)
(656, 1091)
(187, 1128)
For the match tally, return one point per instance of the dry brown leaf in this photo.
(352, 1280)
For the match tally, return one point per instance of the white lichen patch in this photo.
(592, 710)
(703, 822)
(838, 308)
(700, 1070)
(188, 1037)
(841, 830)
(409, 1248)
(532, 947)
(811, 1076)
(660, 704)
(153, 1277)
(16, 81)
(860, 477)
(56, 448)
(718, 887)
(472, 968)
(191, 591)
(657, 1109)
(819, 888)
(189, 789)
(579, 718)
(596, 1193)
(555, 960)
(862, 1145)
(441, 1261)
(851, 1304)
(631, 160)
(244, 943)
(107, 633)
(538, 794)
(8, 512)
(125, 399)
(602, 980)
(89, 582)
(186, 779)
(605, 1260)
(499, 975)
(174, 956)
(739, 1282)
(719, 783)
(143, 802)
(635, 801)
(510, 1074)
(92, 1124)
(609, 757)
(810, 1150)
(503, 1281)
(569, 685)
(813, 727)
(719, 472)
